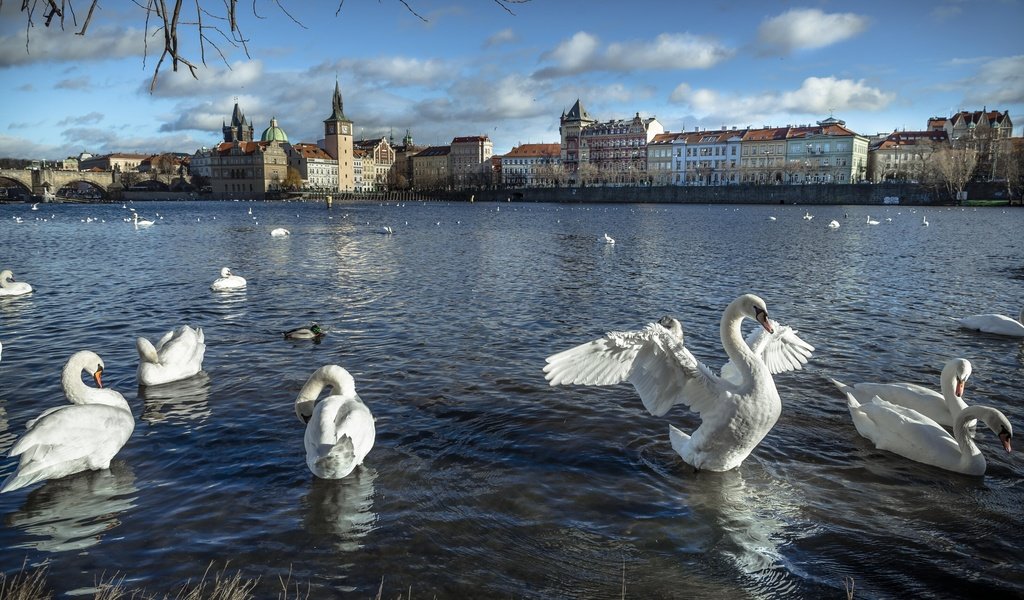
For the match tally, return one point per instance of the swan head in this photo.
(225, 272)
(754, 307)
(88, 361)
(957, 371)
(333, 376)
(673, 325)
(6, 275)
(1005, 435)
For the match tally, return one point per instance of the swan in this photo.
(808, 216)
(386, 230)
(314, 331)
(988, 323)
(141, 222)
(924, 221)
(227, 281)
(871, 221)
(912, 435)
(35, 206)
(735, 416)
(10, 287)
(280, 232)
(608, 239)
(69, 439)
(771, 218)
(339, 428)
(833, 224)
(941, 408)
(178, 355)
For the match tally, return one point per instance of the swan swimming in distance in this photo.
(178, 355)
(833, 224)
(871, 221)
(912, 435)
(987, 323)
(339, 428)
(10, 287)
(227, 281)
(942, 408)
(608, 239)
(312, 332)
(84, 435)
(735, 415)
(140, 222)
(280, 232)
(924, 221)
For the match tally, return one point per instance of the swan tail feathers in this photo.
(851, 400)
(680, 442)
(339, 461)
(147, 352)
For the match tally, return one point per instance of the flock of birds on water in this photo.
(737, 406)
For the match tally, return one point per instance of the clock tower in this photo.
(338, 142)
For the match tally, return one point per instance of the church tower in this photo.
(338, 142)
(239, 130)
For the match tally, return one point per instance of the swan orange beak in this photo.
(960, 383)
(98, 376)
(1005, 438)
(762, 318)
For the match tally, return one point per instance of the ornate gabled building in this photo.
(239, 130)
(400, 177)
(980, 130)
(377, 160)
(570, 129)
(243, 168)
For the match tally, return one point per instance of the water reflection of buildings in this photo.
(74, 512)
(177, 402)
(342, 508)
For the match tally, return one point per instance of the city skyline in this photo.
(449, 69)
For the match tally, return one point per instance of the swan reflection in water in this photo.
(74, 512)
(751, 518)
(342, 508)
(177, 402)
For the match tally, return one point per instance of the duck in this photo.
(84, 435)
(228, 281)
(910, 434)
(10, 287)
(314, 331)
(988, 323)
(280, 232)
(942, 408)
(339, 428)
(735, 417)
(178, 355)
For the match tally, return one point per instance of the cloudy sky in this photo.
(446, 68)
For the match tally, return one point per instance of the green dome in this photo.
(274, 133)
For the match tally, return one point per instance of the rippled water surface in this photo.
(484, 481)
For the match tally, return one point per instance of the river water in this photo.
(484, 481)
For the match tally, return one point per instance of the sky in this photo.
(446, 68)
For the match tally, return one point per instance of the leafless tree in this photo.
(213, 22)
(1010, 167)
(954, 168)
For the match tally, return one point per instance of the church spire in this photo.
(338, 106)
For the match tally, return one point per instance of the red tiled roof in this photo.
(535, 150)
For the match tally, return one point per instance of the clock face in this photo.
(344, 128)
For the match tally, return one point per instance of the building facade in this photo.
(430, 168)
(470, 160)
(532, 165)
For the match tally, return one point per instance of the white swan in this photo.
(178, 355)
(339, 428)
(386, 230)
(912, 435)
(69, 439)
(280, 232)
(10, 287)
(808, 216)
(771, 218)
(833, 224)
(735, 416)
(941, 408)
(924, 221)
(988, 323)
(608, 239)
(141, 222)
(227, 281)
(871, 221)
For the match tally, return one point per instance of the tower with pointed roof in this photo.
(338, 141)
(571, 126)
(239, 130)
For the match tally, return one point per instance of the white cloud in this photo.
(402, 71)
(505, 36)
(93, 117)
(816, 96)
(997, 83)
(211, 80)
(54, 45)
(582, 53)
(807, 28)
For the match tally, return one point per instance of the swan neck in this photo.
(961, 431)
(71, 380)
(732, 341)
(954, 403)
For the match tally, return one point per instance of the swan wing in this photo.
(993, 323)
(782, 351)
(662, 370)
(147, 352)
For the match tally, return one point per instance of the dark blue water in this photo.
(484, 481)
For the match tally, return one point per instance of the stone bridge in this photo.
(40, 181)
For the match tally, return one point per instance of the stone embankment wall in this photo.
(763, 194)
